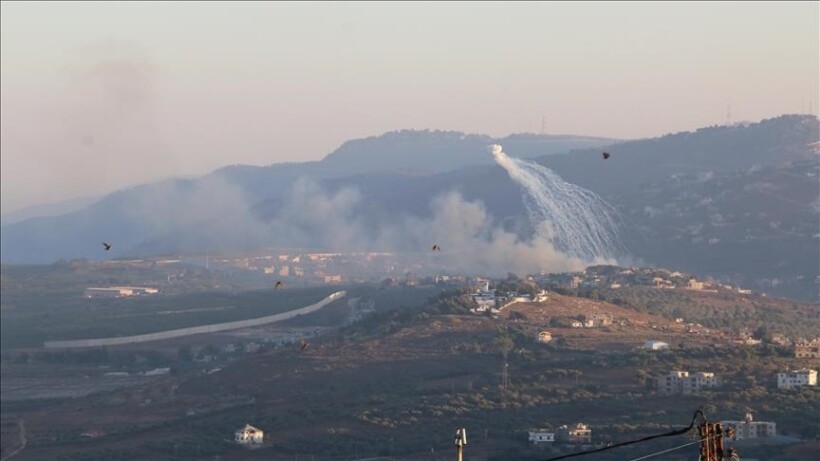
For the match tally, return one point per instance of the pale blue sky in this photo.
(96, 96)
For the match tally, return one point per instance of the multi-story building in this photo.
(797, 378)
(538, 436)
(681, 382)
(750, 429)
(807, 349)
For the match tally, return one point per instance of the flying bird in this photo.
(436, 248)
(279, 284)
(605, 155)
(107, 246)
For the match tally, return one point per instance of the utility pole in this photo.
(711, 442)
(460, 440)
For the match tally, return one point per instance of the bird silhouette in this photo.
(303, 344)
(436, 248)
(107, 246)
(605, 155)
(279, 284)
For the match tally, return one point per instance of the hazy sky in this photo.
(96, 96)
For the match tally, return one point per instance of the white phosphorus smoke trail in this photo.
(575, 220)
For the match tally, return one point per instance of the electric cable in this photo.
(644, 439)
(674, 448)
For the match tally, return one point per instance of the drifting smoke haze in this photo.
(100, 113)
(470, 241)
(574, 227)
(213, 213)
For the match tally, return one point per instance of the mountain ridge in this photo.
(690, 200)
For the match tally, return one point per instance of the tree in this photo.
(504, 344)
(762, 333)
(184, 354)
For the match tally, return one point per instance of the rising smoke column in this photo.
(575, 220)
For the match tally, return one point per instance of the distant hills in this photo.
(48, 209)
(739, 203)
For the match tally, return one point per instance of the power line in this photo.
(671, 449)
(645, 439)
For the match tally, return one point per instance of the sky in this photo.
(97, 96)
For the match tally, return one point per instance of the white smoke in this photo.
(575, 220)
(471, 242)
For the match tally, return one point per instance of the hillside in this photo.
(397, 383)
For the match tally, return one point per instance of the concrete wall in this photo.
(160, 335)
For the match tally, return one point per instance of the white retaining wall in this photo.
(196, 330)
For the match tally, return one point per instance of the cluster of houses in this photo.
(683, 382)
(118, 292)
(319, 267)
(581, 434)
(613, 277)
(578, 433)
(494, 301)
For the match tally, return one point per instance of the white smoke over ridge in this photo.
(471, 243)
(575, 220)
(219, 213)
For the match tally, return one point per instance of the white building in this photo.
(681, 382)
(750, 429)
(579, 433)
(797, 378)
(541, 436)
(655, 345)
(544, 337)
(119, 292)
(249, 435)
(700, 380)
